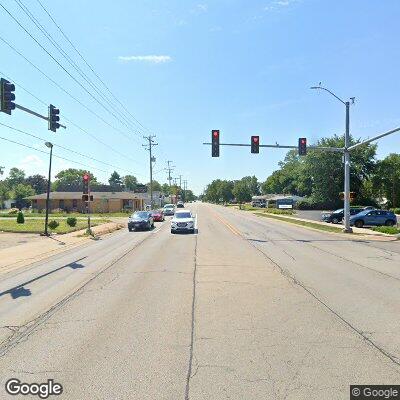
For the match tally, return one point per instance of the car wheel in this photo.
(172, 231)
(192, 231)
(130, 229)
(335, 221)
(389, 222)
(359, 223)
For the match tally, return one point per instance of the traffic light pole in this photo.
(347, 228)
(46, 222)
(27, 110)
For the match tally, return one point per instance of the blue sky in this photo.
(183, 68)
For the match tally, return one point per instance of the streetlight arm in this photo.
(327, 90)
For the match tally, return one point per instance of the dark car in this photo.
(180, 204)
(158, 215)
(373, 218)
(337, 216)
(140, 220)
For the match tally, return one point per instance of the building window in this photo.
(74, 203)
(127, 204)
(61, 204)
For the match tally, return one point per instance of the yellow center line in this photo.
(227, 224)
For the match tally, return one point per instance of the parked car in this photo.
(180, 204)
(140, 220)
(373, 218)
(337, 216)
(169, 209)
(158, 215)
(259, 203)
(183, 221)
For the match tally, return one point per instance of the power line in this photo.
(60, 87)
(70, 121)
(63, 147)
(42, 29)
(89, 66)
(62, 158)
(64, 69)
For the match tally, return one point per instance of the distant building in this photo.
(103, 202)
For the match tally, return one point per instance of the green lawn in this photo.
(37, 226)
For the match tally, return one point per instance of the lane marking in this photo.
(227, 224)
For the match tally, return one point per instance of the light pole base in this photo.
(348, 230)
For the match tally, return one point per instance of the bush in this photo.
(395, 210)
(53, 224)
(278, 211)
(13, 211)
(391, 230)
(71, 221)
(20, 218)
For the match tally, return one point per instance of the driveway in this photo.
(8, 239)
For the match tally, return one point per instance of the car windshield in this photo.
(183, 215)
(169, 206)
(340, 210)
(141, 214)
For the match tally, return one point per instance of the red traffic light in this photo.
(215, 133)
(255, 139)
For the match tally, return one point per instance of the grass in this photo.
(248, 207)
(326, 228)
(391, 230)
(37, 226)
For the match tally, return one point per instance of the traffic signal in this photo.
(86, 180)
(7, 96)
(302, 146)
(53, 118)
(215, 143)
(255, 144)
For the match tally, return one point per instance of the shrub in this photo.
(53, 224)
(391, 230)
(13, 211)
(71, 221)
(278, 211)
(395, 210)
(20, 218)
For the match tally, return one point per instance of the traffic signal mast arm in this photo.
(27, 110)
(278, 146)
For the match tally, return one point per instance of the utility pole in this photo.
(180, 184)
(169, 169)
(149, 146)
(184, 190)
(46, 222)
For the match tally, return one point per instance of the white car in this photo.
(183, 221)
(169, 209)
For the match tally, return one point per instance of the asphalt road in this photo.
(248, 308)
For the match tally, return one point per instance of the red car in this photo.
(158, 215)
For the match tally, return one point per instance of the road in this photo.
(247, 308)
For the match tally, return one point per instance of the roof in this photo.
(96, 195)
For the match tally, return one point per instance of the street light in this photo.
(346, 152)
(50, 146)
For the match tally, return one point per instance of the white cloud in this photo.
(150, 59)
(275, 4)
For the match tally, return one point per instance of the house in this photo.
(103, 202)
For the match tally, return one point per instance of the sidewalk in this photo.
(24, 254)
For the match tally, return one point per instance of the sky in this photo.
(183, 68)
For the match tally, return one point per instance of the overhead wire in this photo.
(65, 70)
(70, 121)
(63, 147)
(27, 12)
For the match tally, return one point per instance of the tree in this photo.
(38, 183)
(20, 192)
(386, 180)
(165, 189)
(253, 185)
(241, 191)
(219, 191)
(130, 182)
(72, 176)
(189, 196)
(4, 193)
(115, 179)
(156, 186)
(15, 177)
